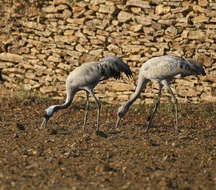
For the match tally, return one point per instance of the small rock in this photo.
(161, 9)
(66, 13)
(16, 135)
(139, 3)
(47, 89)
(200, 19)
(54, 59)
(203, 3)
(5, 65)
(104, 168)
(49, 9)
(137, 28)
(171, 31)
(124, 16)
(11, 57)
(76, 21)
(30, 75)
(58, 2)
(173, 144)
(53, 132)
(144, 20)
(196, 35)
(96, 2)
(20, 126)
(107, 8)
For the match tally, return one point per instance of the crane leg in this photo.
(99, 107)
(86, 109)
(155, 108)
(175, 102)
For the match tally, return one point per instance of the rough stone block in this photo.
(171, 31)
(48, 89)
(196, 35)
(124, 16)
(109, 9)
(144, 20)
(54, 59)
(138, 3)
(200, 19)
(33, 25)
(11, 57)
(161, 9)
(64, 66)
(13, 70)
(96, 2)
(49, 9)
(30, 75)
(58, 2)
(203, 3)
(137, 28)
(6, 65)
(76, 20)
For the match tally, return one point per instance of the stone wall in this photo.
(42, 41)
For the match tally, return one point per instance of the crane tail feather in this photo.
(113, 66)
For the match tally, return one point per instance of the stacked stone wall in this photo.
(42, 41)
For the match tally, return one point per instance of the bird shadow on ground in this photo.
(101, 134)
(111, 130)
(114, 132)
(160, 128)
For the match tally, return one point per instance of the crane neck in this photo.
(67, 103)
(140, 86)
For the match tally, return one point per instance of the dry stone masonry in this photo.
(42, 41)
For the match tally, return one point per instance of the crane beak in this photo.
(44, 123)
(117, 122)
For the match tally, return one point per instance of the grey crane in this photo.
(86, 77)
(162, 70)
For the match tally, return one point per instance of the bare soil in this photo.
(63, 156)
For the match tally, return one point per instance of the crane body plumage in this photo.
(86, 77)
(168, 67)
(162, 70)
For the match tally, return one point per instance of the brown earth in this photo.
(62, 156)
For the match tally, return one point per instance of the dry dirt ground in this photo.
(63, 156)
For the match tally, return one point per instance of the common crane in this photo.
(86, 77)
(161, 69)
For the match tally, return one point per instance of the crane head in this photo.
(197, 67)
(48, 113)
(121, 113)
(45, 120)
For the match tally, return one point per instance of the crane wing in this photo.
(89, 74)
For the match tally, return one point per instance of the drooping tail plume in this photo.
(112, 66)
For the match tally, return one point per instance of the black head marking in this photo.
(46, 116)
(187, 67)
